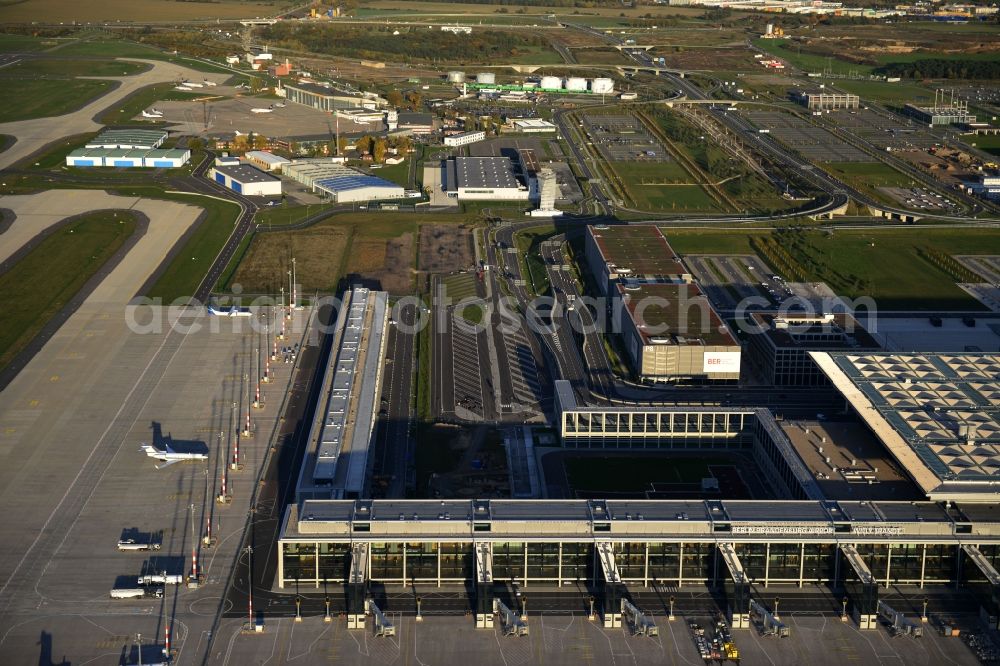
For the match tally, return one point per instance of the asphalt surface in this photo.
(393, 449)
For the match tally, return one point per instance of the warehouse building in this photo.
(128, 139)
(631, 252)
(824, 100)
(534, 126)
(327, 99)
(415, 123)
(343, 184)
(780, 344)
(128, 158)
(671, 332)
(246, 180)
(484, 179)
(464, 138)
(337, 463)
(356, 187)
(265, 160)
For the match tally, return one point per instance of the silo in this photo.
(602, 86)
(456, 77)
(576, 84)
(488, 78)
(551, 83)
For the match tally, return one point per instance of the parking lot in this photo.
(882, 131)
(920, 198)
(623, 138)
(728, 279)
(988, 266)
(813, 143)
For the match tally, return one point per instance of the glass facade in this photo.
(638, 562)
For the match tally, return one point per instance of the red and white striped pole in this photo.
(256, 398)
(166, 639)
(223, 496)
(267, 370)
(194, 564)
(208, 529)
(236, 454)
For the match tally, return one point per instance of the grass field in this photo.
(20, 43)
(689, 241)
(285, 214)
(40, 98)
(532, 266)
(807, 61)
(184, 274)
(662, 186)
(67, 68)
(990, 144)
(135, 10)
(869, 176)
(881, 263)
(885, 92)
(47, 277)
(635, 474)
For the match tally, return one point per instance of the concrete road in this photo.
(168, 221)
(32, 135)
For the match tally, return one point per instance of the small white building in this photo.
(533, 126)
(265, 160)
(247, 180)
(464, 138)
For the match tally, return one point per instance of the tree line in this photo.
(942, 68)
(373, 43)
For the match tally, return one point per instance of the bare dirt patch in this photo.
(446, 248)
(319, 257)
(388, 262)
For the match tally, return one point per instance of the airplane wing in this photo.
(167, 463)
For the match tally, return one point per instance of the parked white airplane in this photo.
(231, 312)
(262, 110)
(152, 113)
(169, 456)
(239, 133)
(183, 89)
(189, 84)
(211, 84)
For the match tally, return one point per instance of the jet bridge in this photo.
(484, 585)
(356, 583)
(509, 620)
(383, 627)
(986, 586)
(862, 590)
(613, 592)
(641, 624)
(770, 625)
(899, 625)
(737, 588)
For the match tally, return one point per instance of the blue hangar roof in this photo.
(342, 183)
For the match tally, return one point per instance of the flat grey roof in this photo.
(485, 172)
(245, 173)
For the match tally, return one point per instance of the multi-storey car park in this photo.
(631, 252)
(671, 332)
(669, 327)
